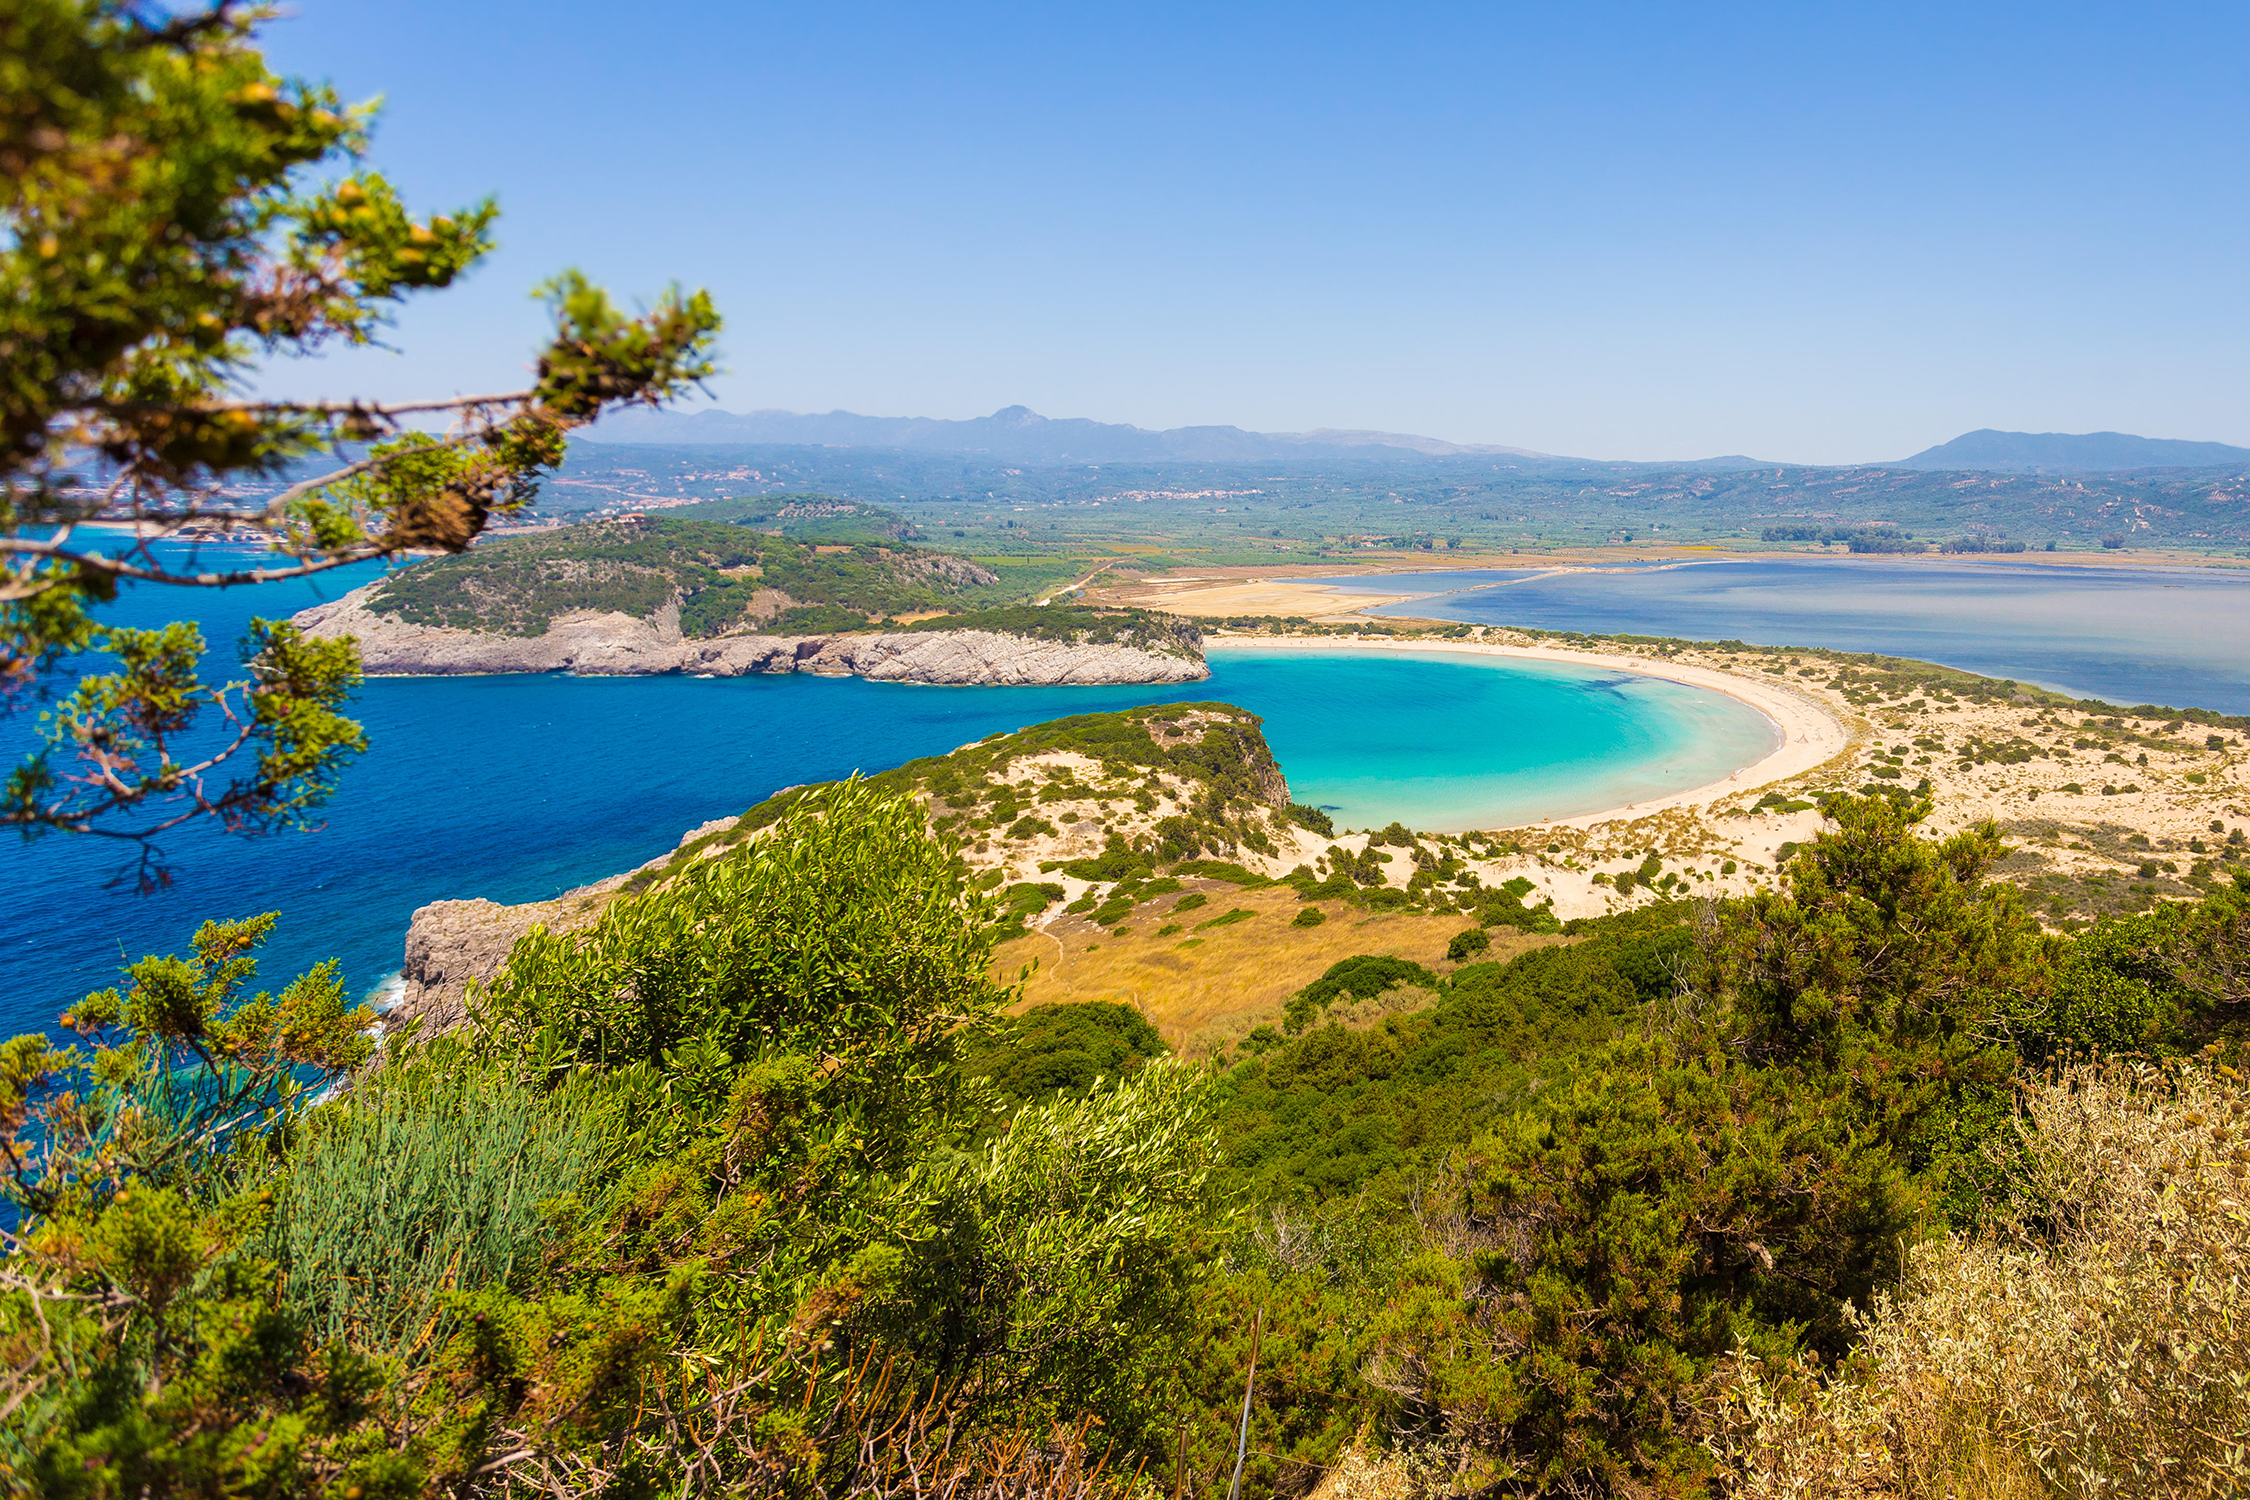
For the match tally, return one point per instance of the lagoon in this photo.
(517, 788)
(2168, 636)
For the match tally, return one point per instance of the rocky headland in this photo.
(614, 644)
(1183, 781)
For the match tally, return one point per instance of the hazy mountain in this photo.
(2070, 452)
(1016, 434)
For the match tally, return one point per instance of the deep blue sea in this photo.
(519, 788)
(2177, 637)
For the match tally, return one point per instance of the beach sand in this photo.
(2100, 813)
(1810, 733)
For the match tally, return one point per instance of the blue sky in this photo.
(1807, 232)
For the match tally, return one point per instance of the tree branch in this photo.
(119, 568)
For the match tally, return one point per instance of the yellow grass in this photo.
(1212, 992)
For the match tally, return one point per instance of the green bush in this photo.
(1739, 1174)
(1053, 1049)
(844, 930)
(1468, 943)
(1021, 902)
(1076, 1295)
(429, 1177)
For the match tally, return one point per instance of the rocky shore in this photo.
(619, 645)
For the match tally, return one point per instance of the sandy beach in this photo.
(2098, 812)
(1809, 733)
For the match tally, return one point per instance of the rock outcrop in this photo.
(619, 645)
(450, 943)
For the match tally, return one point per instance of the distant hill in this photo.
(2070, 452)
(1017, 434)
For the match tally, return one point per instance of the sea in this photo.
(519, 788)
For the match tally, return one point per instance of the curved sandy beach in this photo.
(1809, 733)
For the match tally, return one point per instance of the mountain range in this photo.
(1017, 434)
(2070, 452)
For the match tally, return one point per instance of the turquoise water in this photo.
(2130, 635)
(1447, 741)
(518, 788)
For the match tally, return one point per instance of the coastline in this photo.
(1810, 735)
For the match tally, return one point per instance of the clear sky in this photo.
(1807, 232)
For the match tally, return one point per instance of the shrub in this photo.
(2091, 1341)
(1362, 977)
(1468, 943)
(1740, 1174)
(429, 1177)
(1024, 900)
(1077, 1289)
(1062, 1048)
(844, 930)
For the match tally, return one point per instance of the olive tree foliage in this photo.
(172, 214)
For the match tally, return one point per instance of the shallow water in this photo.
(2177, 637)
(1448, 741)
(518, 788)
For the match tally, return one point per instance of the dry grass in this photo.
(2096, 1344)
(1364, 1473)
(1201, 995)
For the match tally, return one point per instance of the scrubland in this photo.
(1347, 1156)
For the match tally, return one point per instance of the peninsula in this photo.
(639, 596)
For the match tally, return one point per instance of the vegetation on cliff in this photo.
(1200, 773)
(1078, 624)
(723, 577)
(820, 572)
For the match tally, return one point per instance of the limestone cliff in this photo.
(450, 943)
(619, 645)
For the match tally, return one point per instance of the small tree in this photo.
(1736, 1176)
(164, 231)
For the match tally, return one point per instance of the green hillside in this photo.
(724, 578)
(754, 1187)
